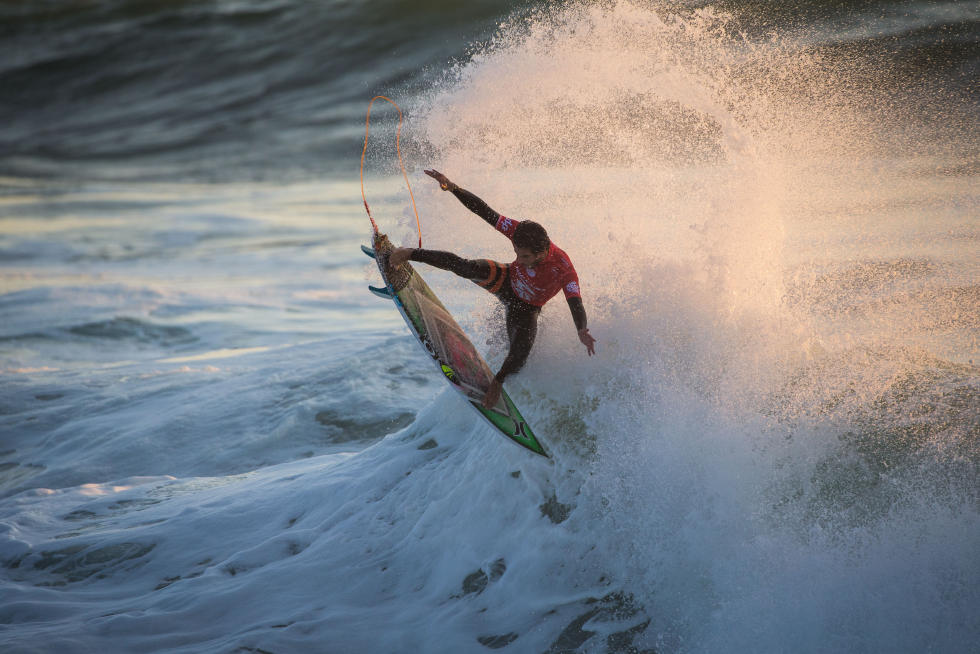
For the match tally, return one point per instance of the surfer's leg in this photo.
(522, 328)
(473, 269)
(495, 279)
(491, 275)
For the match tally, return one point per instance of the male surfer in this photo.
(540, 270)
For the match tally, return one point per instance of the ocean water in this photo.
(213, 439)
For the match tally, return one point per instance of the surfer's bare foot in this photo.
(493, 394)
(399, 256)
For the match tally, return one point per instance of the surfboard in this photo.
(457, 360)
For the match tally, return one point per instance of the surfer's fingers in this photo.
(439, 177)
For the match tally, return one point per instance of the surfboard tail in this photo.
(396, 278)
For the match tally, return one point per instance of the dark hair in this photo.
(531, 235)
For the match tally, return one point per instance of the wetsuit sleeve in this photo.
(578, 312)
(477, 206)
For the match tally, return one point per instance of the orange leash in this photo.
(398, 149)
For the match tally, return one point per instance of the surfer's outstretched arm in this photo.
(470, 201)
(477, 206)
(581, 323)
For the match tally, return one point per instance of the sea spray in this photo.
(667, 154)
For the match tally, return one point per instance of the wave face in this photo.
(214, 439)
(206, 91)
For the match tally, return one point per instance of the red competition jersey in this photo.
(539, 285)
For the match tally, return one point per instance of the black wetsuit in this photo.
(522, 317)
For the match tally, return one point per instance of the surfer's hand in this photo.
(399, 256)
(493, 394)
(444, 182)
(587, 340)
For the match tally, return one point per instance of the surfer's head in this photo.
(531, 243)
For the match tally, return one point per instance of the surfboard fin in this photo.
(380, 292)
(368, 251)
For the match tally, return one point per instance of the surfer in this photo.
(540, 270)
